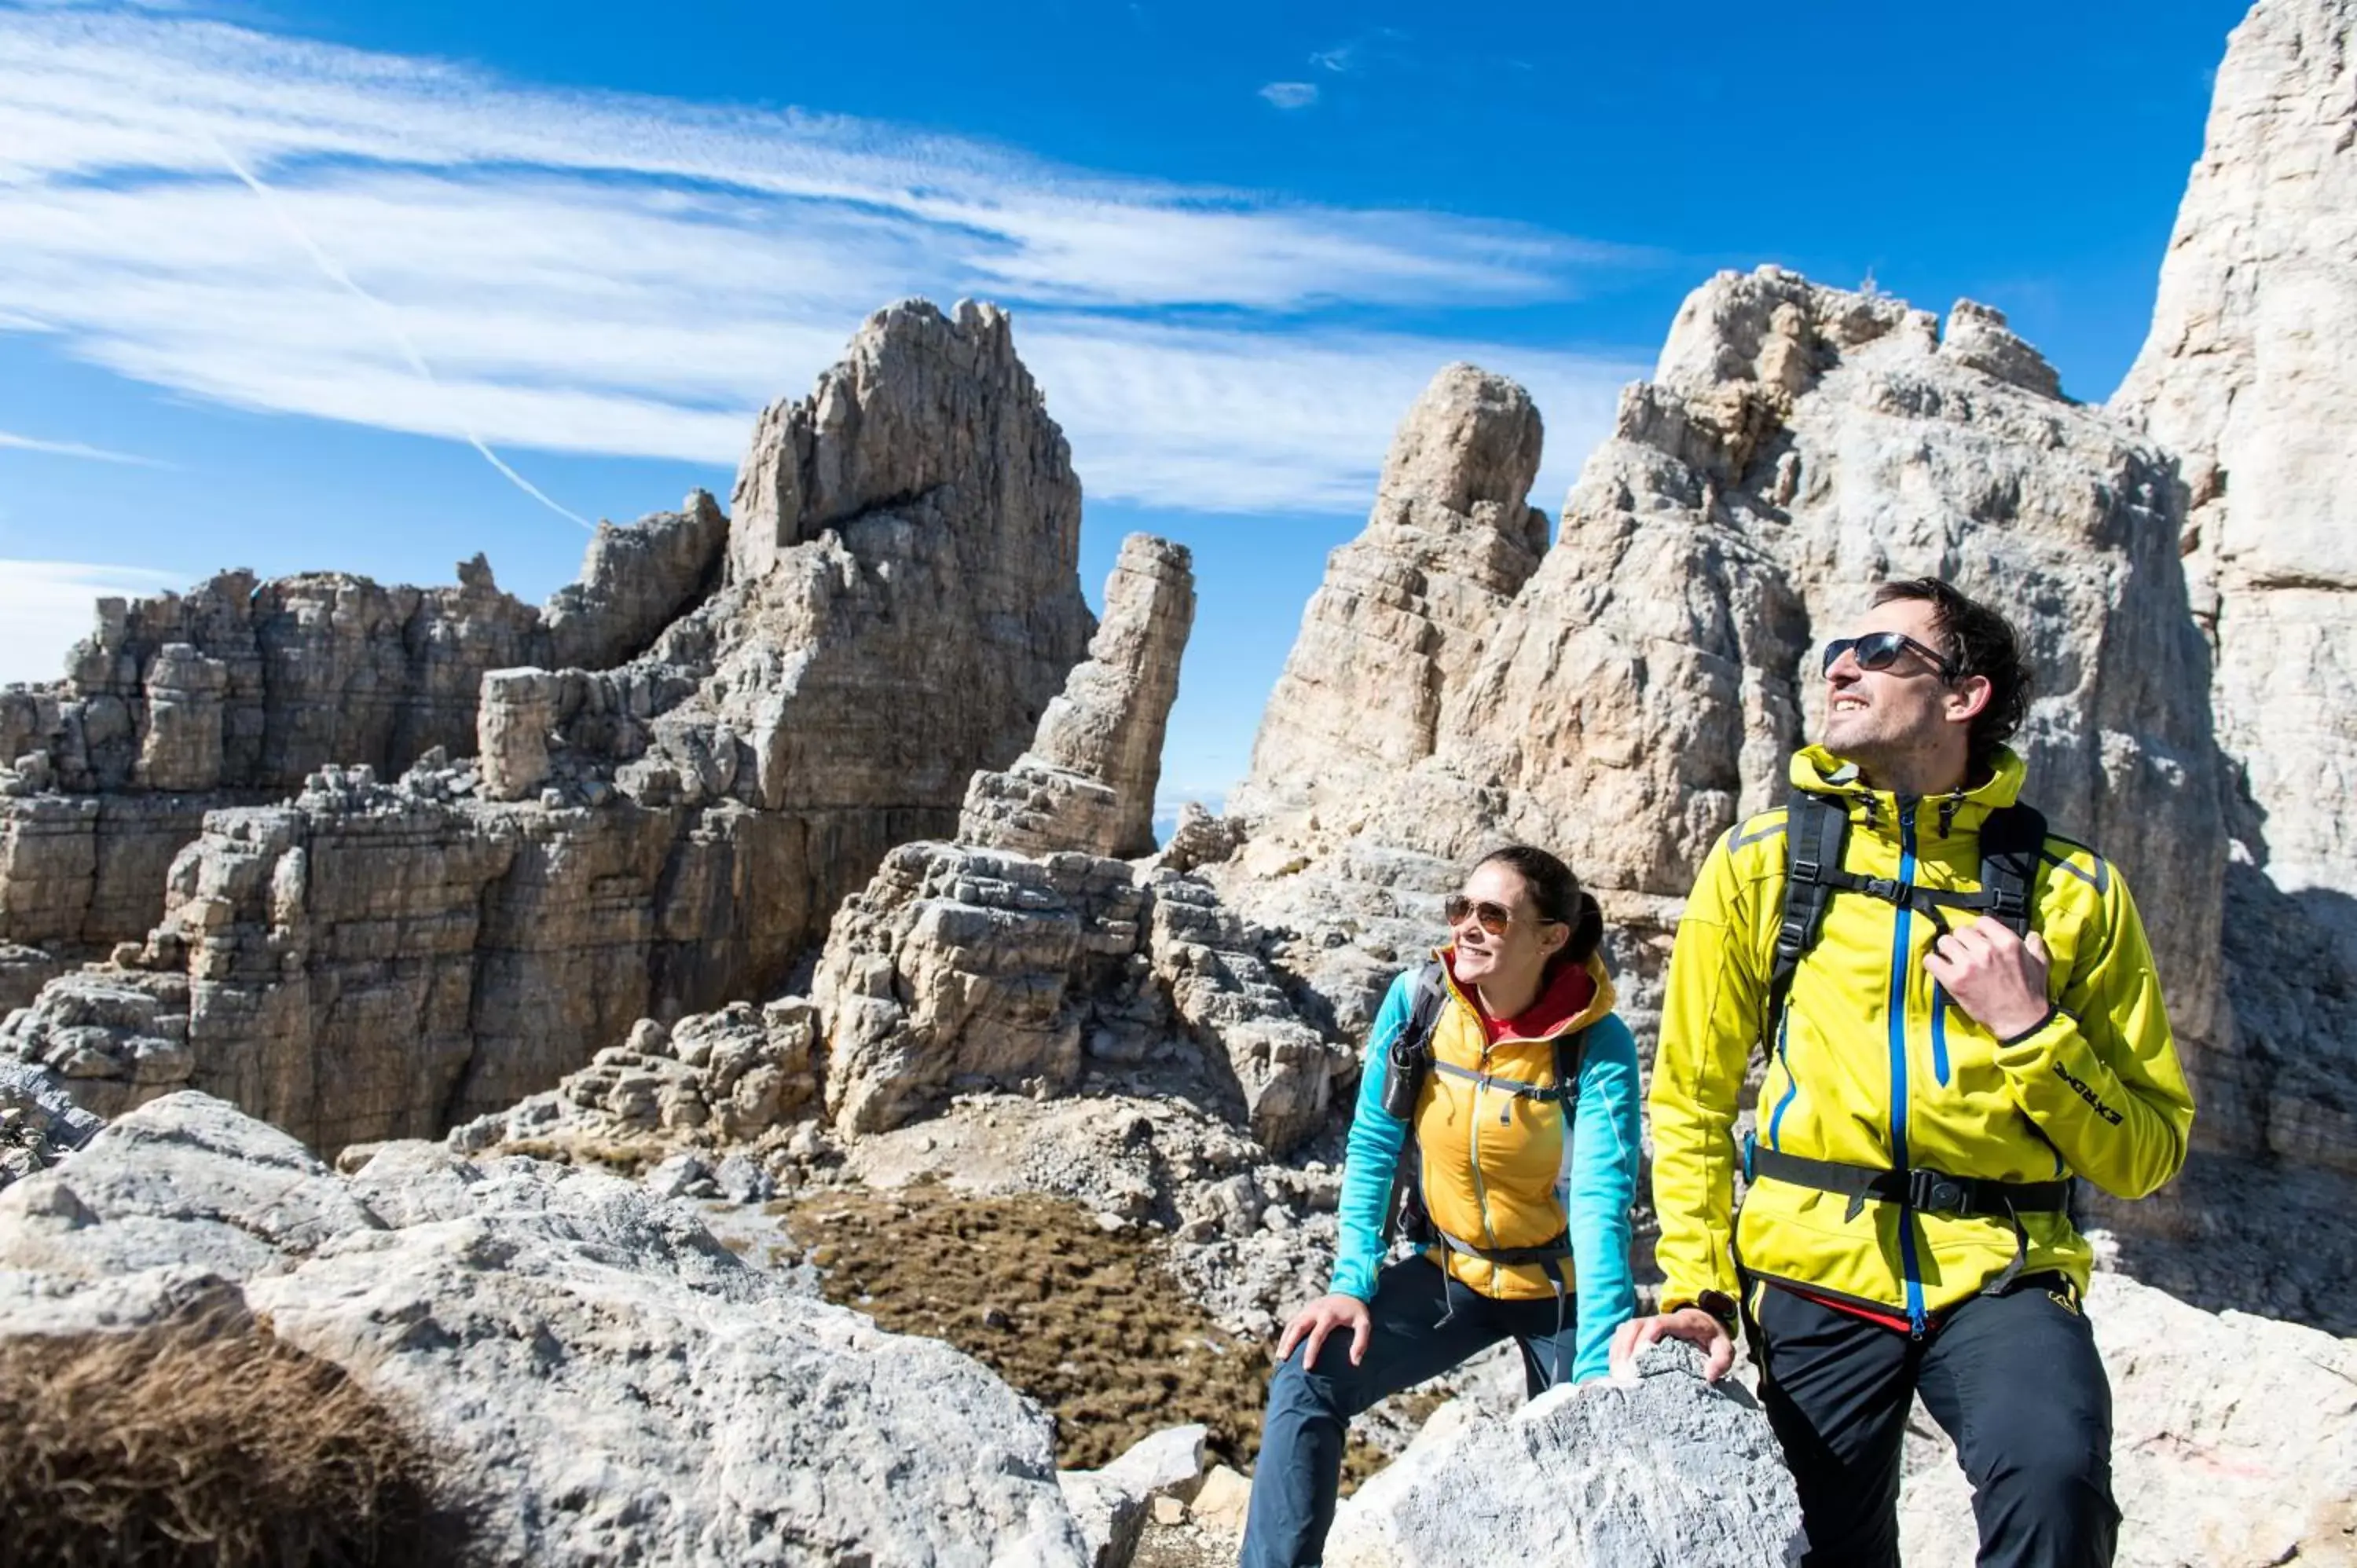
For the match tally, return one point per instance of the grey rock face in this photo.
(1233, 1002)
(2257, 399)
(646, 841)
(1406, 607)
(1087, 783)
(634, 582)
(1671, 1473)
(921, 401)
(971, 968)
(187, 1181)
(603, 1380)
(2237, 378)
(235, 691)
(975, 966)
(729, 1077)
(39, 1122)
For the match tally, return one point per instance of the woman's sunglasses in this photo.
(1881, 651)
(1494, 917)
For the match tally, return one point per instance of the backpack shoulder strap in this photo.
(1409, 1056)
(1570, 1055)
(1816, 832)
(2012, 838)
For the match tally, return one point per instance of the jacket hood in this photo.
(1576, 997)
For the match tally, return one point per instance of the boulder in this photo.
(1665, 1471)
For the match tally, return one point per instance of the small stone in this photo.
(742, 1181)
(675, 1176)
(1169, 1510)
(1223, 1500)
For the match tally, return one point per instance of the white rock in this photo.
(606, 1382)
(1666, 1473)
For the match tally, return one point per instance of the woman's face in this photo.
(1516, 956)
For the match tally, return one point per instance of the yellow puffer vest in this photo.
(1872, 1059)
(1493, 1163)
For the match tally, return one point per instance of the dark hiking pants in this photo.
(2014, 1378)
(1424, 1323)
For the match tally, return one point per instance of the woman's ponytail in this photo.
(1587, 929)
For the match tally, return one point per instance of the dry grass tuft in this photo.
(205, 1441)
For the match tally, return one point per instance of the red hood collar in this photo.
(1567, 1002)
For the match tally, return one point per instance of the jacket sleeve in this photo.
(1605, 1143)
(1372, 1156)
(2100, 1075)
(1710, 1016)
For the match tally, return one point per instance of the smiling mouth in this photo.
(1848, 704)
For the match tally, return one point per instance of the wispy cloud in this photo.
(45, 607)
(601, 273)
(1357, 54)
(1291, 94)
(10, 442)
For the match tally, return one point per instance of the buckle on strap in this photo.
(1936, 1192)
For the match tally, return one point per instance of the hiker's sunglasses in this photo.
(1881, 651)
(1494, 917)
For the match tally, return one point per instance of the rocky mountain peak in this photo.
(920, 401)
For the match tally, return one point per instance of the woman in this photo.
(1524, 1184)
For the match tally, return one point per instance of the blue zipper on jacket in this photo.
(1902, 929)
(1792, 1084)
(1940, 1035)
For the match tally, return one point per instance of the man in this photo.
(1961, 1013)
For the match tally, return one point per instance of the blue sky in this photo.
(267, 270)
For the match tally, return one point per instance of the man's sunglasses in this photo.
(1881, 651)
(1494, 917)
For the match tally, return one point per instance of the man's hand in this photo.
(1691, 1323)
(1321, 1317)
(1998, 978)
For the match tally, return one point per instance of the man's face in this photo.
(1872, 715)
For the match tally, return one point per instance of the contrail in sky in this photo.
(386, 315)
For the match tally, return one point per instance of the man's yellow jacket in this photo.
(1875, 1065)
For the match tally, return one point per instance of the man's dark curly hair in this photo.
(1977, 641)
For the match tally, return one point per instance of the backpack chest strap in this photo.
(1505, 1085)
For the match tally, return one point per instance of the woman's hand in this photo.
(1322, 1317)
(1691, 1323)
